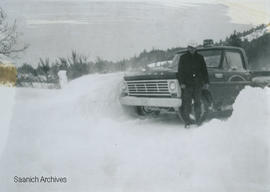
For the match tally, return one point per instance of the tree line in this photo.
(76, 65)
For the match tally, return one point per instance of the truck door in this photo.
(213, 59)
(234, 74)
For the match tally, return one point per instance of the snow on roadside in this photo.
(7, 101)
(235, 153)
(81, 132)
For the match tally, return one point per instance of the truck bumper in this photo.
(146, 101)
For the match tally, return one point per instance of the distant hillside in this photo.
(255, 41)
(258, 52)
(255, 33)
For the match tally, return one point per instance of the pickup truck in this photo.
(157, 88)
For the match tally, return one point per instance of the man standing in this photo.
(192, 77)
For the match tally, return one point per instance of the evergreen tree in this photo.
(234, 40)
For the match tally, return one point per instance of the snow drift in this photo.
(82, 133)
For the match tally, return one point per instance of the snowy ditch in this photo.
(83, 134)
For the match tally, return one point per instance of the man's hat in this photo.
(192, 44)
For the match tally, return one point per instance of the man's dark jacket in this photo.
(192, 70)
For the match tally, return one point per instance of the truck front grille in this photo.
(148, 88)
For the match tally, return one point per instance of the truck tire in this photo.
(205, 105)
(143, 111)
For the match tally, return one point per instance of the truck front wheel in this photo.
(144, 110)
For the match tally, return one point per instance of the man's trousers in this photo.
(188, 94)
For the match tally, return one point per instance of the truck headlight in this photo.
(123, 86)
(172, 86)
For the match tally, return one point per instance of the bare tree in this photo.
(8, 36)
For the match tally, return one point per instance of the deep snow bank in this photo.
(81, 132)
(235, 153)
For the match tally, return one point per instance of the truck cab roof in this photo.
(213, 48)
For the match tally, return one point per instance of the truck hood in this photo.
(149, 75)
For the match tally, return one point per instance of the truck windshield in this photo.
(211, 57)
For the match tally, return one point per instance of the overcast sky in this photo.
(114, 30)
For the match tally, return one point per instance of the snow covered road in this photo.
(82, 133)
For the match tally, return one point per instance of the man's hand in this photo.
(183, 86)
(206, 86)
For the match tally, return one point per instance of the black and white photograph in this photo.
(134, 95)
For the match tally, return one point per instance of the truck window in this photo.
(212, 57)
(232, 61)
(175, 61)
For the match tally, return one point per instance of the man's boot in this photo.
(187, 125)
